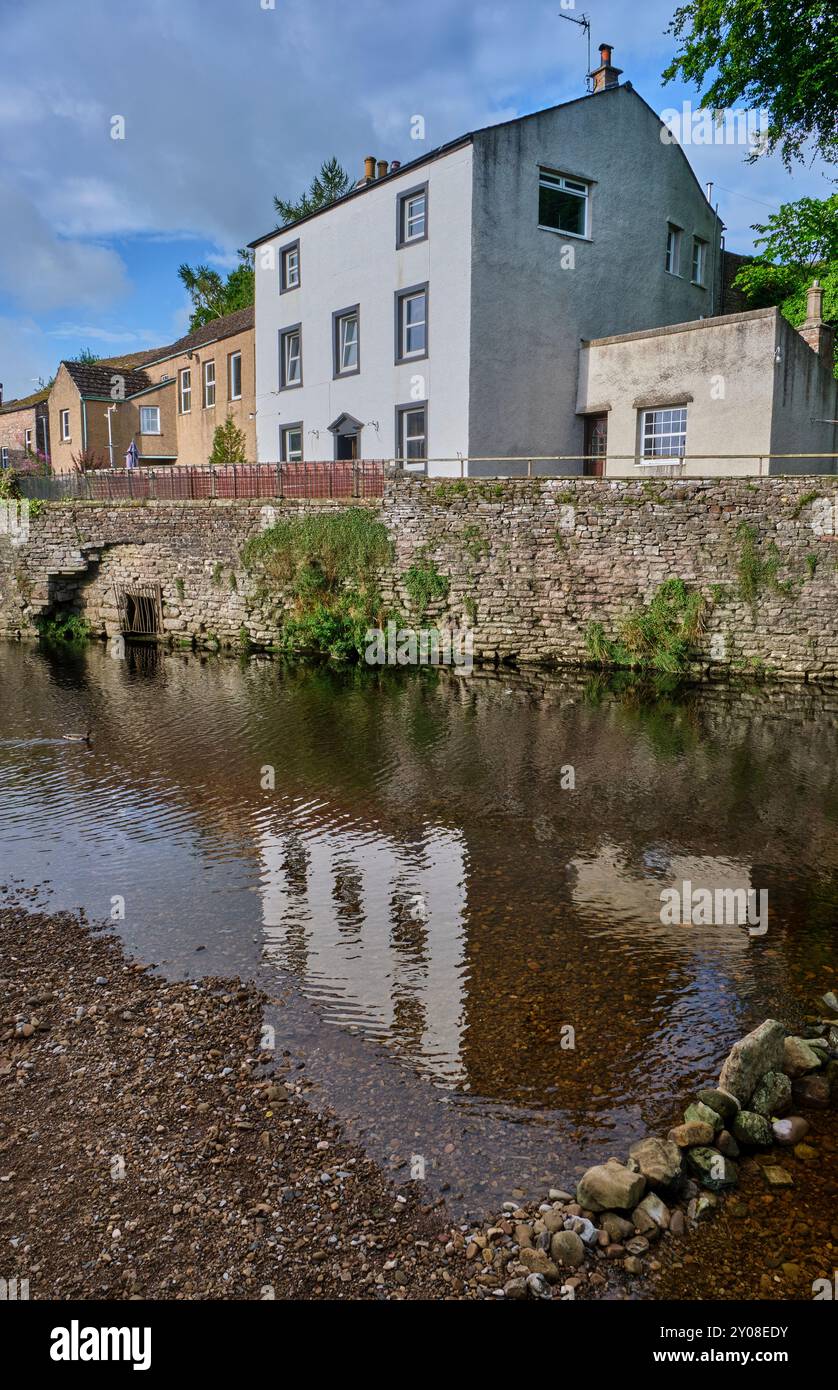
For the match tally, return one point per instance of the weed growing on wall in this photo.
(424, 583)
(659, 637)
(758, 566)
(66, 628)
(327, 568)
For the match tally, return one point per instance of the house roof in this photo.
(225, 327)
(25, 402)
(95, 378)
(441, 150)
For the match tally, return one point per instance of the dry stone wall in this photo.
(528, 565)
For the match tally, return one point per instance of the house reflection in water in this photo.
(373, 929)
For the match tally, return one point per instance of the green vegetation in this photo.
(213, 297)
(470, 606)
(424, 583)
(233, 582)
(812, 564)
(331, 183)
(228, 444)
(758, 566)
(64, 627)
(449, 492)
(9, 485)
(475, 542)
(659, 637)
(217, 571)
(36, 508)
(327, 568)
(803, 503)
(180, 588)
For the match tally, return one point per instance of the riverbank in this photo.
(150, 1147)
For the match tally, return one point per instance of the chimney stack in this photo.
(382, 168)
(369, 167)
(397, 164)
(606, 75)
(820, 336)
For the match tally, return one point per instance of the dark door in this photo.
(347, 446)
(596, 445)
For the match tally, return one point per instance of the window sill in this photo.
(676, 274)
(294, 386)
(411, 241)
(698, 284)
(414, 357)
(556, 231)
(341, 376)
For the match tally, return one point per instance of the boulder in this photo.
(722, 1102)
(790, 1131)
(692, 1132)
(726, 1144)
(655, 1209)
(567, 1249)
(748, 1060)
(608, 1186)
(812, 1092)
(698, 1113)
(773, 1095)
(753, 1130)
(659, 1160)
(799, 1057)
(617, 1227)
(713, 1170)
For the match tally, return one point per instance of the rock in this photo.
(638, 1245)
(655, 1209)
(632, 1265)
(692, 1132)
(713, 1170)
(677, 1222)
(557, 1195)
(799, 1057)
(538, 1286)
(773, 1095)
(517, 1288)
(776, 1176)
(523, 1235)
(614, 1252)
(702, 1208)
(749, 1059)
(805, 1153)
(567, 1249)
(722, 1102)
(813, 1092)
(617, 1227)
(726, 1144)
(830, 1000)
(753, 1130)
(538, 1262)
(704, 1115)
(659, 1160)
(830, 1071)
(790, 1131)
(644, 1224)
(553, 1220)
(610, 1185)
(586, 1230)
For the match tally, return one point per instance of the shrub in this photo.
(658, 637)
(228, 444)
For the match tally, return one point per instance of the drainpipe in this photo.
(108, 414)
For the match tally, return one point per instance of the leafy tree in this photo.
(228, 444)
(779, 55)
(800, 244)
(212, 295)
(331, 183)
(88, 356)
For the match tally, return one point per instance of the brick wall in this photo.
(530, 564)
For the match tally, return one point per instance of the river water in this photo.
(449, 885)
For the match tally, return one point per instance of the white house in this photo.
(436, 310)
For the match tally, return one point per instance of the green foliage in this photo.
(68, 628)
(658, 637)
(470, 606)
(764, 54)
(812, 565)
(88, 357)
(327, 565)
(758, 565)
(217, 571)
(180, 587)
(475, 542)
(424, 583)
(804, 503)
(213, 296)
(228, 444)
(36, 508)
(330, 184)
(9, 485)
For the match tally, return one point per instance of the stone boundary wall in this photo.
(529, 564)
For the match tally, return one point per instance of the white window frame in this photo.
(287, 455)
(665, 426)
(288, 255)
(403, 299)
(64, 419)
(412, 225)
(673, 249)
(286, 357)
(185, 390)
(699, 261)
(231, 358)
(27, 440)
(402, 450)
(208, 376)
(577, 188)
(145, 409)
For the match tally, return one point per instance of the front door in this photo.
(596, 445)
(347, 446)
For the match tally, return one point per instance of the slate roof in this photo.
(25, 402)
(225, 327)
(94, 378)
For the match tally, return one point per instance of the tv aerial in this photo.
(584, 23)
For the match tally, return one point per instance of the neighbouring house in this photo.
(24, 431)
(735, 393)
(436, 310)
(167, 401)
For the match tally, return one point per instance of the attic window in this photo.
(562, 204)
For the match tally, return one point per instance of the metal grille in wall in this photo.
(140, 610)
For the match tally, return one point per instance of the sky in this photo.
(226, 102)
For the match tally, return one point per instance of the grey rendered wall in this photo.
(528, 314)
(805, 396)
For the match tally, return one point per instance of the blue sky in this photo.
(226, 102)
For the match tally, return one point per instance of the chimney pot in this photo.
(606, 75)
(369, 167)
(397, 164)
(382, 168)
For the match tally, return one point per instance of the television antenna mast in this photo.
(584, 23)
